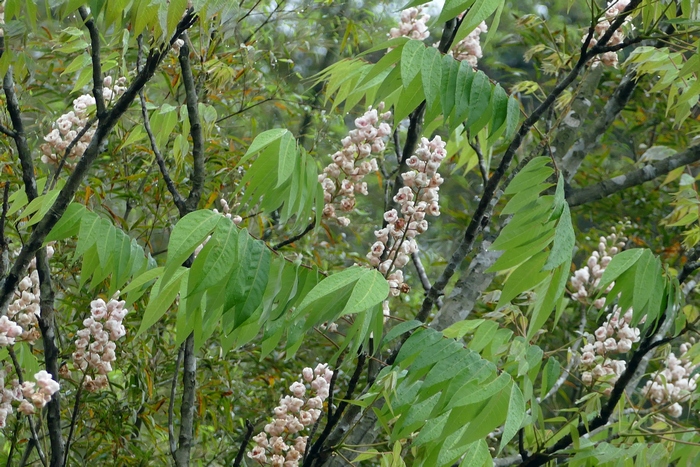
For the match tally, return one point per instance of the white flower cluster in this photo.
(96, 341)
(24, 309)
(68, 125)
(419, 196)
(614, 336)
(412, 25)
(674, 384)
(37, 395)
(469, 48)
(586, 279)
(294, 414)
(31, 396)
(342, 178)
(615, 7)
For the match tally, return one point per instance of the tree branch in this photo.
(633, 177)
(198, 168)
(96, 63)
(244, 443)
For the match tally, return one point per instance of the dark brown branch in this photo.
(249, 428)
(293, 239)
(96, 61)
(633, 177)
(73, 419)
(171, 404)
(198, 168)
(189, 386)
(7, 131)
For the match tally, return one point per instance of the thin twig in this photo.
(423, 276)
(171, 404)
(73, 419)
(177, 199)
(294, 238)
(244, 443)
(96, 61)
(32, 427)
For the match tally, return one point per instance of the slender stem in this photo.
(189, 373)
(96, 61)
(249, 428)
(73, 419)
(294, 238)
(32, 427)
(171, 404)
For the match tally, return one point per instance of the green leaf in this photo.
(143, 279)
(512, 118)
(371, 289)
(158, 305)
(263, 140)
(465, 77)
(330, 285)
(551, 373)
(399, 329)
(620, 263)
(461, 328)
(288, 158)
(208, 269)
(525, 277)
(187, 235)
(257, 264)
(514, 417)
(69, 224)
(479, 97)
(499, 104)
(491, 416)
(478, 12)
(564, 241)
(411, 58)
(448, 84)
(431, 72)
(453, 8)
(87, 234)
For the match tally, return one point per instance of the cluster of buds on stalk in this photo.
(615, 7)
(674, 384)
(95, 346)
(412, 25)
(280, 444)
(342, 178)
(30, 396)
(70, 124)
(417, 198)
(585, 280)
(614, 337)
(24, 309)
(469, 48)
